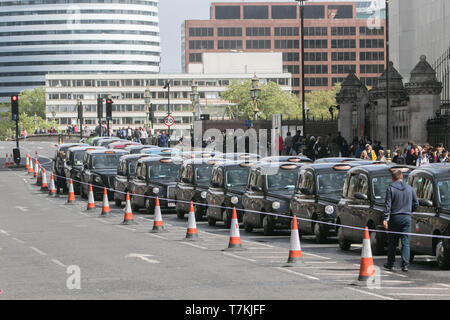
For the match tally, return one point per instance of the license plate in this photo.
(171, 204)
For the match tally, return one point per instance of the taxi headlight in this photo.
(276, 205)
(97, 179)
(329, 209)
(234, 200)
(203, 194)
(155, 190)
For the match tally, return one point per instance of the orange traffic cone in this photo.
(6, 161)
(191, 233)
(36, 168)
(105, 205)
(157, 222)
(39, 177)
(128, 218)
(11, 160)
(366, 270)
(52, 189)
(30, 166)
(91, 200)
(27, 165)
(295, 252)
(71, 198)
(235, 238)
(44, 184)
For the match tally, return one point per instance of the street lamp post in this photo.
(147, 100)
(80, 116)
(167, 86)
(195, 98)
(302, 15)
(387, 82)
(255, 93)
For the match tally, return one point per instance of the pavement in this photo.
(45, 244)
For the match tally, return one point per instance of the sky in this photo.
(172, 14)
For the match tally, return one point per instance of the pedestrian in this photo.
(288, 144)
(444, 156)
(162, 140)
(434, 157)
(24, 134)
(381, 156)
(422, 159)
(401, 201)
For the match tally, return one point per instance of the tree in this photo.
(319, 102)
(33, 102)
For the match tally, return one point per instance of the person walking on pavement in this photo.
(401, 201)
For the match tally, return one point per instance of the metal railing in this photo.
(442, 68)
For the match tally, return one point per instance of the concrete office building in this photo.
(339, 38)
(38, 37)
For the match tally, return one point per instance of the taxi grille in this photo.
(111, 181)
(171, 192)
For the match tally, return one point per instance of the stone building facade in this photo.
(363, 112)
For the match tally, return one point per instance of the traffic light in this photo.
(204, 117)
(109, 103)
(99, 107)
(15, 108)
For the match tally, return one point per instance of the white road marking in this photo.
(4, 232)
(101, 220)
(155, 235)
(443, 284)
(194, 245)
(238, 257)
(413, 288)
(297, 273)
(38, 251)
(370, 293)
(18, 240)
(124, 227)
(143, 257)
(422, 294)
(315, 255)
(59, 263)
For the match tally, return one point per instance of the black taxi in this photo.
(362, 204)
(269, 189)
(432, 186)
(193, 185)
(317, 192)
(239, 156)
(99, 169)
(334, 160)
(155, 176)
(198, 154)
(58, 164)
(74, 165)
(125, 173)
(301, 159)
(226, 187)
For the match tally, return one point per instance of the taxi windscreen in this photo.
(330, 182)
(163, 171)
(237, 177)
(105, 161)
(283, 180)
(444, 193)
(78, 158)
(380, 185)
(203, 174)
(132, 167)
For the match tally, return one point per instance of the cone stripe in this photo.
(295, 251)
(235, 238)
(128, 217)
(105, 205)
(91, 200)
(192, 226)
(71, 197)
(44, 185)
(366, 269)
(52, 189)
(157, 222)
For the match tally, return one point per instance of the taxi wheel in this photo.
(83, 195)
(180, 214)
(442, 256)
(134, 207)
(211, 221)
(226, 219)
(344, 244)
(320, 232)
(248, 227)
(376, 243)
(118, 202)
(268, 226)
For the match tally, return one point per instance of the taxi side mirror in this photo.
(361, 196)
(256, 188)
(425, 203)
(306, 191)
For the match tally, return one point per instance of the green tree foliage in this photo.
(274, 100)
(26, 122)
(33, 102)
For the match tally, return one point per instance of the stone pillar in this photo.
(424, 99)
(352, 97)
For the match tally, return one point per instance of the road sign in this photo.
(169, 120)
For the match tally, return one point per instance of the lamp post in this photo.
(147, 100)
(80, 116)
(302, 40)
(195, 98)
(255, 93)
(387, 81)
(167, 86)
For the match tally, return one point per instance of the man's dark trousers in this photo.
(399, 223)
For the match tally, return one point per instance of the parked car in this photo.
(122, 144)
(99, 169)
(193, 185)
(105, 142)
(362, 204)
(318, 190)
(301, 159)
(163, 152)
(432, 186)
(155, 176)
(126, 169)
(269, 189)
(74, 165)
(133, 149)
(226, 187)
(58, 164)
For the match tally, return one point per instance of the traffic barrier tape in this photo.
(270, 214)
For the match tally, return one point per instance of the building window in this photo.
(229, 32)
(343, 68)
(316, 69)
(343, 56)
(336, 80)
(291, 56)
(369, 81)
(201, 32)
(316, 44)
(314, 12)
(256, 12)
(316, 56)
(371, 68)
(258, 32)
(316, 31)
(316, 82)
(287, 44)
(201, 44)
(365, 31)
(343, 43)
(229, 44)
(340, 12)
(258, 44)
(287, 31)
(343, 31)
(284, 12)
(195, 57)
(228, 12)
(371, 56)
(371, 43)
(293, 69)
(296, 82)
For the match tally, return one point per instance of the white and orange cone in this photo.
(36, 168)
(52, 189)
(44, 184)
(366, 270)
(6, 161)
(91, 200)
(105, 206)
(71, 197)
(295, 251)
(157, 222)
(39, 176)
(11, 160)
(235, 237)
(30, 166)
(128, 217)
(27, 165)
(191, 233)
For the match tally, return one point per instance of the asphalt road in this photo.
(42, 240)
